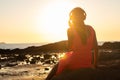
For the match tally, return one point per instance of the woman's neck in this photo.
(79, 23)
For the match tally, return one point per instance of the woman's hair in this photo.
(77, 14)
(77, 17)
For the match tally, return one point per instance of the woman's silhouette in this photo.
(81, 43)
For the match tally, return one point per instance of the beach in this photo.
(25, 72)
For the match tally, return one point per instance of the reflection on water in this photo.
(17, 67)
(21, 71)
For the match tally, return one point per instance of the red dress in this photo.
(81, 54)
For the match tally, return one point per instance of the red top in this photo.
(81, 54)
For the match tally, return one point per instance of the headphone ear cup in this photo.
(84, 16)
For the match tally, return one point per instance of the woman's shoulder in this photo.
(70, 30)
(90, 27)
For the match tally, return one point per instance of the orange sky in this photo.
(36, 21)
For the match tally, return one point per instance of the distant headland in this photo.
(60, 46)
(2, 43)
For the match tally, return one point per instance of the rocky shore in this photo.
(39, 57)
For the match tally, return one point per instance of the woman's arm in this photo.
(95, 48)
(70, 38)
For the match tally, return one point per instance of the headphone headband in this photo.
(78, 11)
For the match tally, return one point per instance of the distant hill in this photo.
(52, 47)
(60, 46)
(110, 45)
(2, 43)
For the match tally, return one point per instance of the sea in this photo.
(25, 45)
(19, 45)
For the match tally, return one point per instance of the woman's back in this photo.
(81, 56)
(77, 43)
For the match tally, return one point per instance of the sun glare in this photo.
(62, 56)
(54, 19)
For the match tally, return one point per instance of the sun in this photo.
(54, 19)
(56, 16)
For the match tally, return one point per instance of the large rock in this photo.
(103, 73)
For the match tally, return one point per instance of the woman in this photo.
(81, 43)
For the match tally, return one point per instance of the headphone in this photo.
(78, 12)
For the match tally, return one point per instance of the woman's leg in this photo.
(52, 72)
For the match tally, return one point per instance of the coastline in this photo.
(34, 63)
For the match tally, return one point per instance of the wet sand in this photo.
(25, 72)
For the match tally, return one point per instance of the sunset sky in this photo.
(37, 21)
